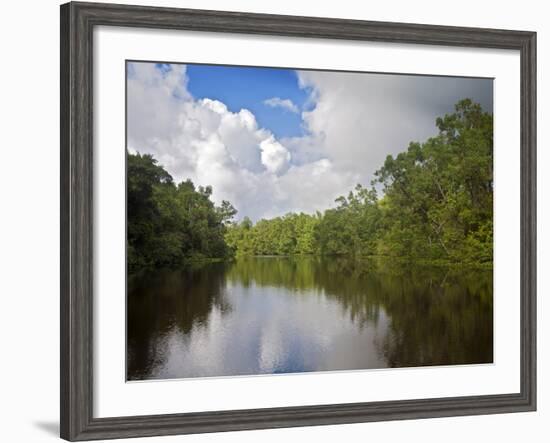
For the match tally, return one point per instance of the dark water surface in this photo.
(275, 315)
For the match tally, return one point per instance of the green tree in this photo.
(439, 195)
(170, 224)
(436, 203)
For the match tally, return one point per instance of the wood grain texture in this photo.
(77, 24)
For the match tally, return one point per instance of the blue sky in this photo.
(273, 158)
(248, 88)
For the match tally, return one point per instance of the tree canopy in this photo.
(169, 224)
(433, 201)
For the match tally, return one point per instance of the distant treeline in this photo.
(437, 204)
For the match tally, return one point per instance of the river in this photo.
(267, 315)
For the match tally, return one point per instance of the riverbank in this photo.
(200, 261)
(440, 262)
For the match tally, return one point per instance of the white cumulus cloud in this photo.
(353, 122)
(276, 102)
(202, 140)
(275, 157)
(358, 119)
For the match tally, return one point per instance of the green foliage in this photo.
(439, 195)
(288, 235)
(437, 205)
(352, 227)
(169, 224)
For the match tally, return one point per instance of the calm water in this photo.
(277, 315)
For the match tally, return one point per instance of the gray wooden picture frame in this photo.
(77, 24)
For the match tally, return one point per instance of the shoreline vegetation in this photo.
(435, 207)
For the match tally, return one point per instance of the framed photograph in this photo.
(272, 221)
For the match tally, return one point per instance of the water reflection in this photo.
(273, 315)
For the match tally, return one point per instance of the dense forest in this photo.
(433, 201)
(169, 224)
